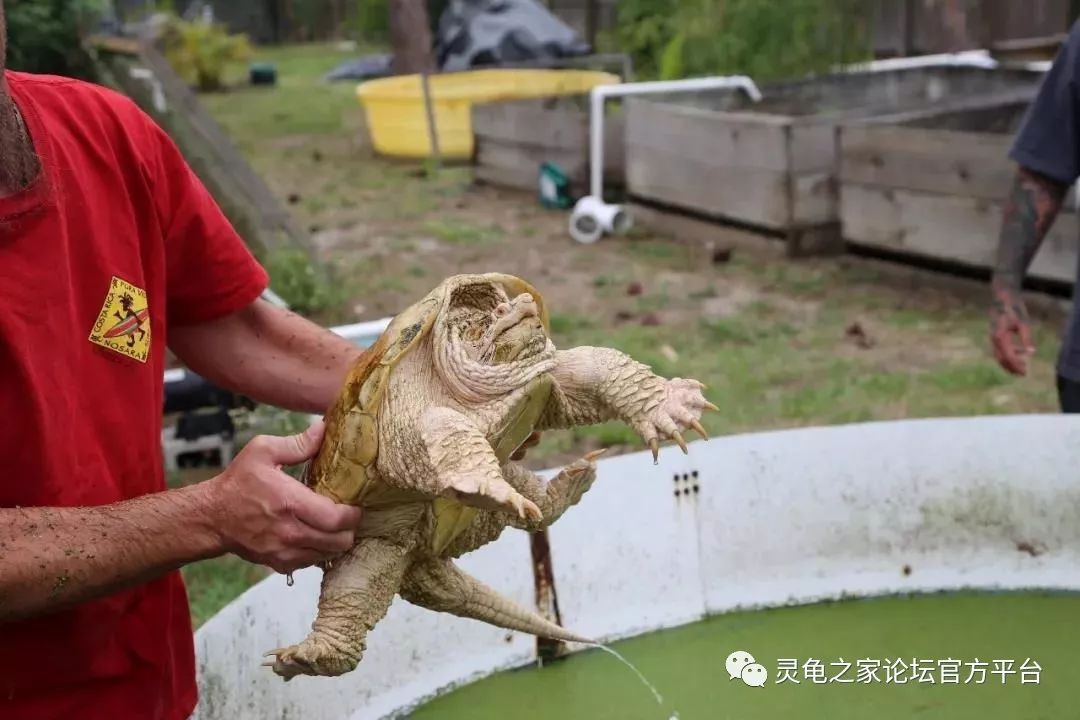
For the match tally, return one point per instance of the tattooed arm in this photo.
(1032, 207)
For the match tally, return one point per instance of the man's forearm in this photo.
(1033, 204)
(51, 558)
(271, 355)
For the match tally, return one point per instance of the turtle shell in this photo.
(342, 469)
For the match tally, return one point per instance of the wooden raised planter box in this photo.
(514, 138)
(773, 165)
(934, 185)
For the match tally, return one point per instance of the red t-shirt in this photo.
(113, 244)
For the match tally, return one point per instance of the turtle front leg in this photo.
(356, 592)
(553, 497)
(465, 465)
(594, 385)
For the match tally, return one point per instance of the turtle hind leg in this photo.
(356, 593)
(466, 468)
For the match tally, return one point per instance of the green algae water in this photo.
(952, 655)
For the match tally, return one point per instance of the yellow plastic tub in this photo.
(397, 120)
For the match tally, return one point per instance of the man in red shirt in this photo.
(109, 249)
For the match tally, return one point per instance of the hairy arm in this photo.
(52, 558)
(56, 557)
(1033, 204)
(269, 354)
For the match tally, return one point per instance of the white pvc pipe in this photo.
(601, 93)
(968, 58)
(591, 218)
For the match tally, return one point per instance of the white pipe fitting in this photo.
(592, 217)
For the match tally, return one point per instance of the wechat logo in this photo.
(741, 664)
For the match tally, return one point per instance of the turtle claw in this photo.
(525, 508)
(678, 438)
(709, 406)
(696, 425)
(591, 457)
(654, 445)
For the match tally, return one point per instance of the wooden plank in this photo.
(505, 177)
(815, 200)
(813, 147)
(948, 162)
(527, 160)
(978, 101)
(119, 45)
(963, 230)
(537, 122)
(726, 140)
(750, 195)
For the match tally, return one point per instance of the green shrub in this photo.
(202, 53)
(43, 36)
(304, 287)
(764, 39)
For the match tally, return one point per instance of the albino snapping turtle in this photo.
(421, 437)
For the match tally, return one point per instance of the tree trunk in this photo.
(410, 37)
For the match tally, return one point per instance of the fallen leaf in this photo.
(650, 320)
(858, 333)
(721, 256)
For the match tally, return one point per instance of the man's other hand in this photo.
(1010, 332)
(267, 517)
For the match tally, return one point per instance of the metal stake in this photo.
(433, 132)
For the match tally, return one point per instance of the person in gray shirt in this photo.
(1047, 150)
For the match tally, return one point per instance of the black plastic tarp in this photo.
(484, 33)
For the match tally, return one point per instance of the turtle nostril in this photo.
(502, 309)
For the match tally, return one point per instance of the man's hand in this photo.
(1010, 332)
(267, 517)
(1032, 206)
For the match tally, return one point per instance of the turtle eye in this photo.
(502, 309)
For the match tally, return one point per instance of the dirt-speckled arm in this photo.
(595, 385)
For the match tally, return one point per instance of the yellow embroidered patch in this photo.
(124, 322)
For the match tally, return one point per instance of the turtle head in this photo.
(494, 327)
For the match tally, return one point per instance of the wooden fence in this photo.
(914, 27)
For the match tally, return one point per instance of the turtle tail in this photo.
(439, 585)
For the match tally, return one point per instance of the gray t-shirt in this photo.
(1049, 143)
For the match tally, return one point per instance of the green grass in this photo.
(458, 233)
(213, 584)
(301, 103)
